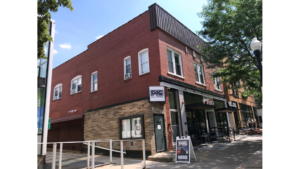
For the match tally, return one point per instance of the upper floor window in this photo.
(199, 73)
(244, 85)
(217, 83)
(174, 62)
(144, 61)
(57, 92)
(127, 67)
(94, 81)
(76, 84)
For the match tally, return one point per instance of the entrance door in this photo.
(160, 139)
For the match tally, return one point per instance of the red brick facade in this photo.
(106, 56)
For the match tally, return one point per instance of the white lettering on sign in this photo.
(182, 157)
(231, 104)
(182, 143)
(71, 111)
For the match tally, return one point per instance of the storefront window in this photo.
(132, 127)
(41, 94)
(247, 114)
(172, 99)
(221, 119)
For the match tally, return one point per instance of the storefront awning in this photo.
(200, 106)
(225, 110)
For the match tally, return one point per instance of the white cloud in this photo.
(56, 32)
(54, 51)
(66, 46)
(98, 37)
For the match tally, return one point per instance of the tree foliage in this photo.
(43, 18)
(228, 28)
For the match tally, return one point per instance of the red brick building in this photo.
(103, 93)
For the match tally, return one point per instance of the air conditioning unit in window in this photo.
(127, 75)
(194, 54)
(72, 91)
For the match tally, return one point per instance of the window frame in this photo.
(173, 62)
(125, 59)
(201, 66)
(132, 117)
(76, 78)
(139, 59)
(59, 86)
(215, 84)
(92, 81)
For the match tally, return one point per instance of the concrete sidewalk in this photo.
(245, 153)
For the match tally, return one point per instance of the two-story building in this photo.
(103, 93)
(244, 113)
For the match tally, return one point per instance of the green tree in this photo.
(228, 28)
(43, 18)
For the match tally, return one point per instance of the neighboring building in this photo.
(259, 112)
(103, 93)
(243, 114)
(44, 77)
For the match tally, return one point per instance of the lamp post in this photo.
(256, 48)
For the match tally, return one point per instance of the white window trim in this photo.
(173, 60)
(96, 72)
(79, 76)
(215, 79)
(140, 67)
(201, 66)
(125, 59)
(58, 85)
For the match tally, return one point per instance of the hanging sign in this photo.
(183, 150)
(232, 104)
(157, 94)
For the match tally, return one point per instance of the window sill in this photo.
(145, 74)
(128, 79)
(218, 90)
(75, 93)
(201, 84)
(56, 100)
(94, 91)
(175, 75)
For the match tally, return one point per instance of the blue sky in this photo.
(94, 18)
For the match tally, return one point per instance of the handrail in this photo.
(92, 144)
(107, 149)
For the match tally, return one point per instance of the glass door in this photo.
(196, 122)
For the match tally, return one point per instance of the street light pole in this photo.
(256, 48)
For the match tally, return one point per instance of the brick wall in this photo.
(187, 59)
(104, 123)
(106, 56)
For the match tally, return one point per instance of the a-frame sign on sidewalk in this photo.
(184, 150)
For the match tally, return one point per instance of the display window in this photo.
(132, 127)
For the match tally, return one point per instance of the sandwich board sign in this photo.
(184, 149)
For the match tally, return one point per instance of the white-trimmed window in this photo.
(174, 62)
(144, 61)
(76, 84)
(94, 81)
(57, 92)
(217, 83)
(199, 73)
(127, 67)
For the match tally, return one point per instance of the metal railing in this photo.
(92, 143)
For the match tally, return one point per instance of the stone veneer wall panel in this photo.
(104, 123)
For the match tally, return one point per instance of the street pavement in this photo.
(246, 153)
